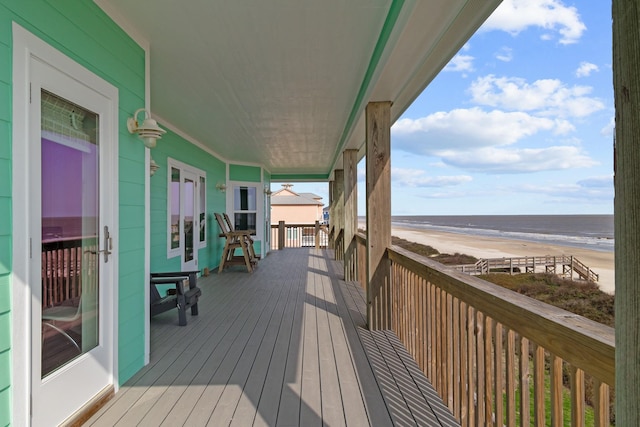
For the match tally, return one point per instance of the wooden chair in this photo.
(247, 236)
(235, 239)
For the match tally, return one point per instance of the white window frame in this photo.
(201, 175)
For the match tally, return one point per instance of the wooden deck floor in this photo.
(284, 346)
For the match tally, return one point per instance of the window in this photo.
(186, 209)
(244, 207)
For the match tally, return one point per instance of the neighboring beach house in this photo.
(92, 202)
(295, 208)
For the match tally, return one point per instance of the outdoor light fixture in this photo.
(153, 166)
(221, 186)
(148, 131)
(267, 190)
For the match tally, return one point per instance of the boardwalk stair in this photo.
(564, 265)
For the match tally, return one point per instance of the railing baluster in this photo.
(525, 415)
(444, 342)
(471, 352)
(601, 403)
(481, 374)
(538, 385)
(555, 375)
(498, 372)
(464, 363)
(450, 344)
(511, 378)
(456, 357)
(488, 372)
(432, 335)
(577, 397)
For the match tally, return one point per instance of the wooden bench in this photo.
(182, 298)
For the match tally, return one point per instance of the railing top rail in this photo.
(582, 342)
(295, 225)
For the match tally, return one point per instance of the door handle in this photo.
(108, 245)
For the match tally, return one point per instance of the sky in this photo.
(519, 122)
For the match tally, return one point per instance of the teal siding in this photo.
(80, 30)
(174, 146)
(245, 173)
(5, 388)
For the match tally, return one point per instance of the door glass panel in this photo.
(175, 208)
(189, 192)
(70, 222)
(203, 209)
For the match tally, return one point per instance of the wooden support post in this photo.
(332, 221)
(378, 144)
(350, 164)
(626, 84)
(338, 213)
(317, 235)
(280, 235)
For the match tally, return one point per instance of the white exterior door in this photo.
(71, 214)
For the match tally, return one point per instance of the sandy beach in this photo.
(489, 247)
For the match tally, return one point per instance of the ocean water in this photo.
(593, 232)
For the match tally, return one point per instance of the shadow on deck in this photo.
(286, 345)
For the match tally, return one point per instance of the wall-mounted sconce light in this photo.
(221, 186)
(267, 190)
(153, 166)
(148, 131)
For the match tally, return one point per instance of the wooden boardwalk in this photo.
(284, 346)
(532, 264)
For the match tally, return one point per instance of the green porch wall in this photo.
(245, 173)
(174, 146)
(81, 31)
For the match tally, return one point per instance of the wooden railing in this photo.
(299, 235)
(62, 266)
(497, 357)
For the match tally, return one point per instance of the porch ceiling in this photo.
(284, 83)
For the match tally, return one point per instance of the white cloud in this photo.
(505, 54)
(446, 195)
(609, 128)
(605, 181)
(524, 160)
(548, 97)
(460, 63)
(464, 129)
(589, 190)
(418, 178)
(514, 16)
(585, 69)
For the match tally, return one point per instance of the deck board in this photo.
(287, 346)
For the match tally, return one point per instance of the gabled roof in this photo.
(284, 84)
(288, 197)
(312, 196)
